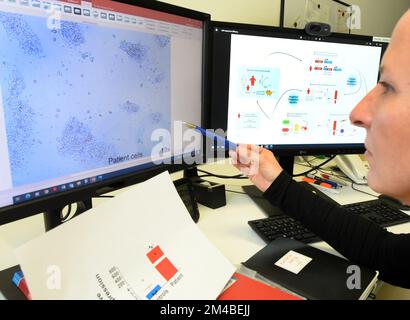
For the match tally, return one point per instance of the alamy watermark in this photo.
(53, 19)
(183, 145)
(354, 20)
(53, 281)
(354, 281)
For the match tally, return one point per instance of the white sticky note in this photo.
(293, 262)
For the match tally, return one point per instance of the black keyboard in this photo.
(378, 212)
(281, 225)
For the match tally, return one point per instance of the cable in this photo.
(341, 177)
(252, 196)
(233, 191)
(206, 175)
(314, 168)
(238, 176)
(227, 190)
(346, 179)
(361, 191)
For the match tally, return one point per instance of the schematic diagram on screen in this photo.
(292, 92)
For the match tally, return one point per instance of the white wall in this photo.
(378, 16)
(265, 12)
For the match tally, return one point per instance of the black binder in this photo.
(325, 277)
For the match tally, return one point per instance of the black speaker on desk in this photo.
(209, 194)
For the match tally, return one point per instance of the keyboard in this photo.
(378, 212)
(281, 225)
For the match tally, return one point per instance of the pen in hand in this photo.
(228, 144)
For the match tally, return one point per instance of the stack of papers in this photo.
(141, 244)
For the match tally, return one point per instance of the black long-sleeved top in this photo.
(358, 239)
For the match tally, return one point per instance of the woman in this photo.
(385, 114)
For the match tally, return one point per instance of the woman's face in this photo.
(385, 114)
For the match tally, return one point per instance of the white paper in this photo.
(293, 262)
(141, 244)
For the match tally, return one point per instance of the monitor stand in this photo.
(287, 163)
(54, 218)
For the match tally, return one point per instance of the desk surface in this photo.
(226, 227)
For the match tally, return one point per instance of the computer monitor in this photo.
(290, 92)
(87, 90)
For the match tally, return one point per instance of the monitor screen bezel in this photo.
(51, 202)
(218, 113)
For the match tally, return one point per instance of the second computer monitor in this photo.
(290, 92)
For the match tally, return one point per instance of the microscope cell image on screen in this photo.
(109, 88)
(291, 91)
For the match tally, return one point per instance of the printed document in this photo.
(142, 244)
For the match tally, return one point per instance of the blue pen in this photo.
(332, 183)
(228, 144)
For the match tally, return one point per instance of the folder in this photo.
(312, 273)
(242, 287)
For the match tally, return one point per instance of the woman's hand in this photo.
(259, 164)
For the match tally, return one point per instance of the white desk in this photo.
(226, 227)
